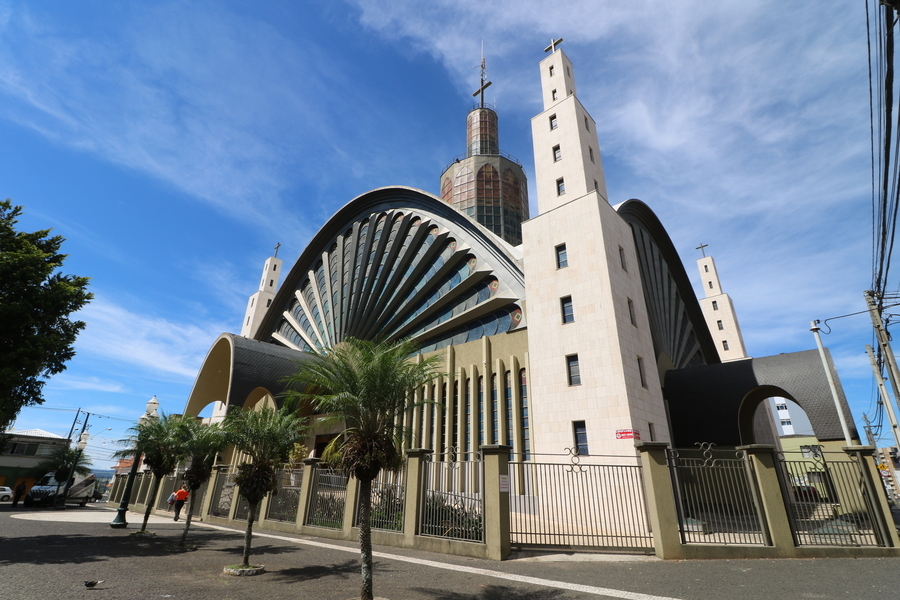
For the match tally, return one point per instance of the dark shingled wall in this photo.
(705, 403)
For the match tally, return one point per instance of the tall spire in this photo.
(484, 85)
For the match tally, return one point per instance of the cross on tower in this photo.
(277, 246)
(553, 44)
(484, 84)
(701, 249)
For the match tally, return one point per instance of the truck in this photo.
(45, 490)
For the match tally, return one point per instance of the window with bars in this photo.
(568, 315)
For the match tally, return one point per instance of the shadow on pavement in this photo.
(343, 570)
(493, 592)
(60, 549)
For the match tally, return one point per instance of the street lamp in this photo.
(120, 522)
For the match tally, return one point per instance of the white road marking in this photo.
(563, 585)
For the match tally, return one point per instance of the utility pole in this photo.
(814, 327)
(884, 344)
(885, 397)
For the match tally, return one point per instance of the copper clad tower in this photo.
(484, 183)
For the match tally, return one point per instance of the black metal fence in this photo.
(285, 501)
(716, 497)
(564, 500)
(329, 497)
(453, 497)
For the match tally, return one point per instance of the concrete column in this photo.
(496, 500)
(350, 506)
(208, 496)
(871, 480)
(660, 500)
(769, 498)
(309, 468)
(413, 500)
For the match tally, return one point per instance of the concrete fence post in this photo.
(496, 500)
(309, 470)
(871, 480)
(352, 498)
(412, 504)
(770, 499)
(660, 499)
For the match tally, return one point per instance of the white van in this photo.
(44, 491)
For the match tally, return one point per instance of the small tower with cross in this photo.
(484, 183)
(718, 311)
(259, 302)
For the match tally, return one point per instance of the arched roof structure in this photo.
(680, 336)
(393, 263)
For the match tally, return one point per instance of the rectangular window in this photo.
(553, 122)
(562, 257)
(551, 70)
(553, 94)
(572, 370)
(715, 305)
(706, 268)
(560, 187)
(587, 124)
(710, 284)
(591, 153)
(781, 406)
(725, 345)
(274, 267)
(596, 186)
(268, 303)
(579, 432)
(719, 325)
(652, 430)
(640, 362)
(568, 315)
(557, 154)
(631, 312)
(785, 422)
(622, 259)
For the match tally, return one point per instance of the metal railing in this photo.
(388, 496)
(453, 497)
(243, 509)
(285, 500)
(563, 500)
(715, 497)
(328, 498)
(827, 499)
(223, 494)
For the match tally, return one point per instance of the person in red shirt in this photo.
(181, 497)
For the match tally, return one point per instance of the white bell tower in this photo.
(259, 302)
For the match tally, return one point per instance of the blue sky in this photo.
(173, 144)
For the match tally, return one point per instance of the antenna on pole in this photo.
(484, 84)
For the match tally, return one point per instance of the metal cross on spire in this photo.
(701, 248)
(553, 44)
(277, 246)
(484, 84)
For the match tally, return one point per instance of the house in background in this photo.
(25, 449)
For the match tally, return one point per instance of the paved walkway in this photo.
(47, 554)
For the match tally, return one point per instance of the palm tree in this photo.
(367, 386)
(267, 436)
(201, 444)
(160, 442)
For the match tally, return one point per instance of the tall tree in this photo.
(267, 436)
(367, 386)
(160, 441)
(201, 443)
(36, 300)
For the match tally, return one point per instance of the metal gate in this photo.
(828, 498)
(715, 496)
(575, 504)
(453, 496)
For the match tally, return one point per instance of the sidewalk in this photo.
(47, 554)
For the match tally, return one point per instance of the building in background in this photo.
(23, 451)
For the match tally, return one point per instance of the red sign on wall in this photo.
(628, 434)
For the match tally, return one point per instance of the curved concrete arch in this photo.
(393, 263)
(239, 371)
(748, 406)
(676, 321)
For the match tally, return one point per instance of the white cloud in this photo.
(154, 344)
(72, 382)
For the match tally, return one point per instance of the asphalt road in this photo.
(47, 555)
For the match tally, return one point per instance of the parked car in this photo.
(806, 493)
(5, 494)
